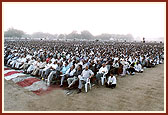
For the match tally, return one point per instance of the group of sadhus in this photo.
(74, 62)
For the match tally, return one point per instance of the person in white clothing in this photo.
(39, 66)
(103, 70)
(27, 64)
(33, 66)
(13, 63)
(68, 74)
(71, 81)
(53, 66)
(138, 67)
(21, 62)
(112, 81)
(47, 66)
(125, 67)
(86, 73)
(55, 72)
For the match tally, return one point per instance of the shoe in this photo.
(32, 75)
(67, 88)
(48, 84)
(61, 85)
(79, 91)
(128, 73)
(93, 85)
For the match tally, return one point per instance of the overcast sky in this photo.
(139, 19)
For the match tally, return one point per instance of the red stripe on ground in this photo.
(42, 92)
(27, 82)
(10, 73)
(6, 69)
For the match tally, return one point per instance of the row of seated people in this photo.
(46, 70)
(72, 71)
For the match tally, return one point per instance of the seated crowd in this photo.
(75, 62)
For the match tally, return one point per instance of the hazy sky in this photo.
(139, 19)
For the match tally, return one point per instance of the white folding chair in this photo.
(86, 84)
(103, 79)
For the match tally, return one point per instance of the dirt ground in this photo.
(141, 92)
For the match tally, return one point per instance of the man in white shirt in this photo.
(26, 65)
(15, 61)
(53, 66)
(112, 81)
(33, 66)
(138, 67)
(53, 60)
(125, 67)
(28, 56)
(40, 65)
(86, 73)
(103, 70)
(21, 62)
(45, 70)
(55, 72)
(73, 79)
(69, 73)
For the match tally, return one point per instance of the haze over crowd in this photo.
(136, 19)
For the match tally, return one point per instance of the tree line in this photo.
(15, 33)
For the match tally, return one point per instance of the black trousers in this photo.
(131, 70)
(110, 85)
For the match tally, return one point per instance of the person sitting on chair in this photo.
(63, 73)
(72, 80)
(103, 70)
(86, 73)
(69, 73)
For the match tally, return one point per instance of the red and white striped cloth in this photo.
(30, 83)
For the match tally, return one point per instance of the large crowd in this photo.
(71, 62)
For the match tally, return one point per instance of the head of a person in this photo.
(87, 67)
(99, 62)
(137, 62)
(38, 59)
(79, 67)
(32, 58)
(50, 62)
(44, 60)
(72, 67)
(66, 63)
(77, 61)
(104, 64)
(64, 59)
(74, 62)
(60, 64)
(55, 62)
(69, 60)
